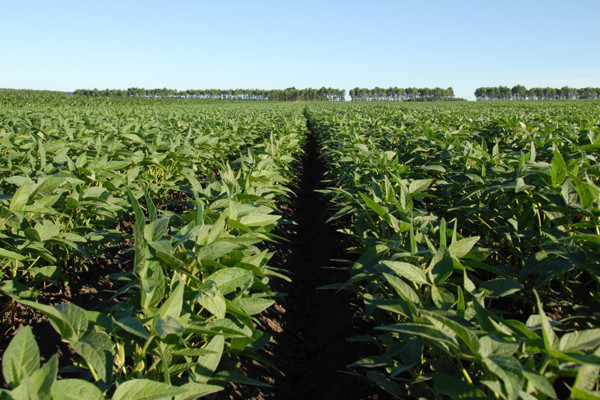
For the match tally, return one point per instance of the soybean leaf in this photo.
(461, 247)
(539, 382)
(381, 211)
(586, 380)
(47, 230)
(166, 326)
(216, 250)
(441, 265)
(134, 326)
(509, 371)
(419, 185)
(558, 170)
(229, 279)
(586, 198)
(259, 219)
(21, 358)
(580, 340)
(382, 381)
(146, 389)
(69, 320)
(253, 305)
(156, 229)
(21, 196)
(208, 363)
(77, 317)
(75, 389)
(501, 287)
(174, 304)
(436, 336)
(11, 255)
(547, 333)
(407, 271)
(194, 390)
(39, 384)
(211, 299)
(97, 351)
(403, 289)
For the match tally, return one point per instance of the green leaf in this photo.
(441, 297)
(253, 305)
(21, 196)
(509, 371)
(194, 390)
(146, 389)
(547, 333)
(166, 326)
(403, 289)
(381, 211)
(540, 383)
(521, 186)
(97, 351)
(587, 376)
(211, 299)
(441, 265)
(229, 279)
(208, 363)
(75, 389)
(461, 247)
(152, 282)
(419, 185)
(69, 320)
(580, 340)
(174, 304)
(134, 326)
(150, 205)
(39, 384)
(437, 336)
(586, 198)
(76, 316)
(579, 394)
(156, 229)
(501, 287)
(558, 170)
(47, 230)
(259, 219)
(407, 271)
(492, 345)
(216, 250)
(11, 255)
(21, 358)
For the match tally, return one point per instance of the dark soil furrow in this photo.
(310, 326)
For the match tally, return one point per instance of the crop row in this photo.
(475, 235)
(186, 198)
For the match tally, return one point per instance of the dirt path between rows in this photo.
(310, 327)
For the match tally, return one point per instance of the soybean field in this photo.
(182, 249)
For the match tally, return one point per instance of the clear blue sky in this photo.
(227, 44)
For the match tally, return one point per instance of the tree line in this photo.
(289, 94)
(401, 94)
(520, 92)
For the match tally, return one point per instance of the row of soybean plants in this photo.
(475, 234)
(190, 193)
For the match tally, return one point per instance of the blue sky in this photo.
(66, 45)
